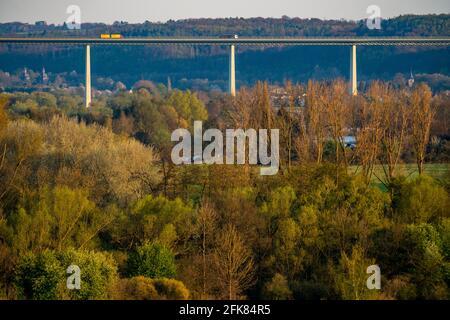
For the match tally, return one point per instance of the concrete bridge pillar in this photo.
(88, 77)
(232, 73)
(353, 72)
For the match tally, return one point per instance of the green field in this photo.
(437, 171)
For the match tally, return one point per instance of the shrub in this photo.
(143, 288)
(137, 288)
(277, 288)
(170, 289)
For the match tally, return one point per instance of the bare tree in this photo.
(316, 118)
(302, 141)
(394, 127)
(234, 263)
(336, 106)
(370, 130)
(264, 101)
(422, 113)
(240, 114)
(206, 223)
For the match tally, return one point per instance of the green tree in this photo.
(188, 107)
(39, 276)
(422, 200)
(44, 99)
(425, 261)
(171, 222)
(350, 276)
(57, 219)
(42, 276)
(152, 260)
(98, 273)
(69, 104)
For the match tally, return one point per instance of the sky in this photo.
(108, 11)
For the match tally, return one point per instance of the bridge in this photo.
(351, 42)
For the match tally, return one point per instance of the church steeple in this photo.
(44, 76)
(411, 80)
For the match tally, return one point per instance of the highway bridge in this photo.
(373, 41)
(351, 42)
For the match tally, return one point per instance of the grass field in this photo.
(437, 171)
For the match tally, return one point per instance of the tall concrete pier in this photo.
(232, 73)
(88, 77)
(353, 72)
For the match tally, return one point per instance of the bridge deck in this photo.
(373, 41)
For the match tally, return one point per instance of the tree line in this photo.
(96, 188)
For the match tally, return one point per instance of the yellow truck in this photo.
(111, 36)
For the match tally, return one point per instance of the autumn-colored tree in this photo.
(20, 142)
(243, 112)
(301, 141)
(369, 122)
(262, 93)
(422, 113)
(123, 125)
(289, 119)
(316, 118)
(3, 115)
(336, 106)
(3, 125)
(394, 127)
(90, 157)
(143, 288)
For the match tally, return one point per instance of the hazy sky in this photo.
(54, 11)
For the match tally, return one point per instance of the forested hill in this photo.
(206, 66)
(408, 25)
